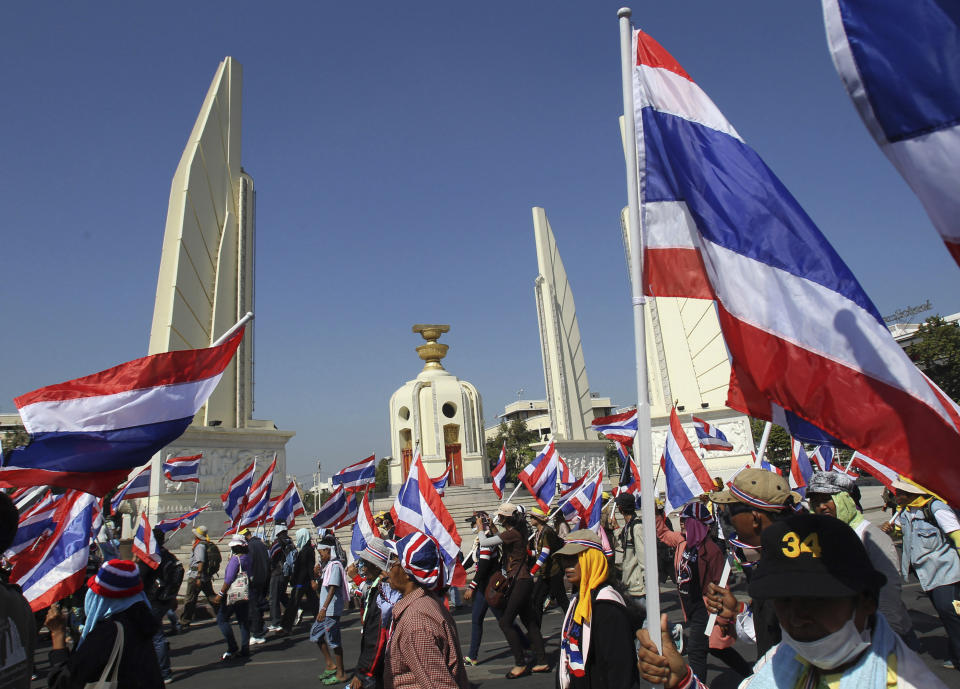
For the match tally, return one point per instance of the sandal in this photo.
(524, 673)
(546, 668)
(332, 679)
(326, 674)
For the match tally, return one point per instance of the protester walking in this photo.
(830, 493)
(283, 554)
(376, 613)
(424, 649)
(303, 597)
(259, 581)
(161, 582)
(234, 600)
(546, 570)
(630, 544)
(118, 616)
(204, 565)
(931, 537)
(326, 628)
(519, 603)
(597, 649)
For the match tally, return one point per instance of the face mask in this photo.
(474, 529)
(833, 650)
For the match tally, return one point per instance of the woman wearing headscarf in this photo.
(114, 600)
(610, 662)
(301, 582)
(424, 648)
(237, 566)
(698, 562)
(513, 536)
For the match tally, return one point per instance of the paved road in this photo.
(295, 662)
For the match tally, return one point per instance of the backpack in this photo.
(213, 559)
(289, 560)
(170, 579)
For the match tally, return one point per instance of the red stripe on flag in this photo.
(652, 54)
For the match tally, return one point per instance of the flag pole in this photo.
(763, 441)
(247, 317)
(642, 449)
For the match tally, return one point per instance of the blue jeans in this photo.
(942, 598)
(162, 648)
(480, 608)
(240, 609)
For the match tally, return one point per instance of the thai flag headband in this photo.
(585, 543)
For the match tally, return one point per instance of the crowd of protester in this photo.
(824, 611)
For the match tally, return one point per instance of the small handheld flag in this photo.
(136, 487)
(235, 499)
(499, 473)
(711, 437)
(287, 505)
(333, 510)
(358, 476)
(686, 477)
(540, 475)
(800, 469)
(622, 427)
(145, 546)
(183, 468)
(176, 523)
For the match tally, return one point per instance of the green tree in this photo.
(18, 437)
(778, 444)
(518, 439)
(383, 476)
(613, 463)
(936, 351)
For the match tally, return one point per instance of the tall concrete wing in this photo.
(564, 370)
(206, 267)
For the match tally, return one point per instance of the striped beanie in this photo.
(698, 511)
(116, 579)
(419, 556)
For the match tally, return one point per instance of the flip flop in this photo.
(510, 675)
(326, 674)
(332, 679)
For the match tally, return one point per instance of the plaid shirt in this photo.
(424, 647)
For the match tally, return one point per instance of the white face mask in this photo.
(833, 650)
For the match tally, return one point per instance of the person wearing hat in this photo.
(547, 573)
(376, 606)
(599, 603)
(114, 601)
(199, 576)
(698, 562)
(16, 618)
(325, 631)
(424, 648)
(237, 572)
(755, 500)
(301, 582)
(513, 539)
(816, 572)
(630, 544)
(283, 554)
(830, 493)
(931, 537)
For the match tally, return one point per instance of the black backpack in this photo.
(171, 577)
(213, 560)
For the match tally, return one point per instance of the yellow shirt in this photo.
(813, 678)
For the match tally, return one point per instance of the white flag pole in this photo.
(642, 449)
(248, 316)
(763, 441)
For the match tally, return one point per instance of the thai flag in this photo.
(417, 507)
(879, 471)
(629, 474)
(898, 62)
(145, 545)
(800, 469)
(90, 432)
(579, 506)
(622, 427)
(686, 477)
(351, 512)
(358, 476)
(176, 523)
(540, 475)
(822, 458)
(440, 483)
(136, 487)
(57, 569)
(183, 468)
(258, 498)
(333, 510)
(711, 437)
(762, 464)
(706, 198)
(499, 473)
(34, 524)
(364, 529)
(24, 497)
(235, 499)
(287, 505)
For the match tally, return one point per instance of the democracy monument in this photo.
(205, 285)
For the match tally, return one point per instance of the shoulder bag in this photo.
(240, 587)
(109, 676)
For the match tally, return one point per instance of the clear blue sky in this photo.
(396, 154)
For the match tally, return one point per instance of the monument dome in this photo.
(441, 413)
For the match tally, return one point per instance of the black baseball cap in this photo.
(812, 555)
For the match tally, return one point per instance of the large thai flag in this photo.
(351, 512)
(145, 546)
(800, 468)
(136, 487)
(90, 432)
(686, 477)
(417, 507)
(540, 475)
(333, 510)
(898, 62)
(710, 437)
(364, 528)
(183, 468)
(174, 524)
(629, 473)
(288, 505)
(707, 198)
(822, 458)
(882, 473)
(258, 498)
(622, 427)
(499, 473)
(357, 476)
(235, 499)
(57, 568)
(440, 483)
(36, 523)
